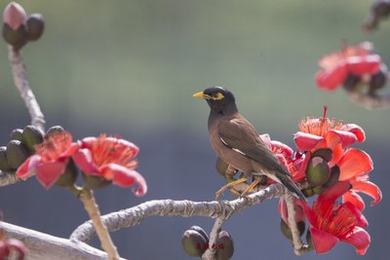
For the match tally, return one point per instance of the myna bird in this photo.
(237, 143)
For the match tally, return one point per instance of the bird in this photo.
(237, 143)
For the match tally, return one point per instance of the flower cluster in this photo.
(101, 159)
(328, 167)
(351, 67)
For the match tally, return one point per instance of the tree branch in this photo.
(21, 83)
(37, 118)
(209, 254)
(42, 246)
(184, 208)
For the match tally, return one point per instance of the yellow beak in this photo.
(200, 95)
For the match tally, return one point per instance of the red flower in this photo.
(50, 160)
(331, 222)
(357, 60)
(293, 162)
(12, 247)
(112, 159)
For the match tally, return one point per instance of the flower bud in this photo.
(201, 231)
(381, 8)
(224, 246)
(317, 172)
(35, 26)
(193, 243)
(14, 16)
(55, 129)
(17, 134)
(16, 38)
(4, 165)
(286, 231)
(324, 153)
(70, 175)
(351, 82)
(17, 153)
(334, 176)
(377, 81)
(32, 136)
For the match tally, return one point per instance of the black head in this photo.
(220, 100)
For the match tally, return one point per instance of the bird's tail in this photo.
(285, 179)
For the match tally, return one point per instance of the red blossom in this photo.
(12, 247)
(14, 15)
(50, 160)
(357, 60)
(331, 222)
(112, 159)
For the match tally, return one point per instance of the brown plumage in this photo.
(236, 141)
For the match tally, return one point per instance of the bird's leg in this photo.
(251, 187)
(228, 186)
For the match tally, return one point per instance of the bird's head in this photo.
(219, 99)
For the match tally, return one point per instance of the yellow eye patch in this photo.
(217, 96)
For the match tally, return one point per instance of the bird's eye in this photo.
(217, 96)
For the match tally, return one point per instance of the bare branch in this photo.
(184, 208)
(211, 251)
(21, 83)
(296, 240)
(42, 246)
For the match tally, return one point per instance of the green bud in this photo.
(286, 231)
(221, 166)
(16, 38)
(224, 246)
(95, 182)
(17, 153)
(55, 129)
(4, 165)
(317, 172)
(334, 176)
(193, 243)
(35, 26)
(32, 136)
(318, 190)
(17, 134)
(70, 175)
(324, 153)
(201, 231)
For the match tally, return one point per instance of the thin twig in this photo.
(43, 246)
(21, 83)
(88, 200)
(209, 254)
(184, 208)
(297, 243)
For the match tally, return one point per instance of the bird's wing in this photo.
(240, 135)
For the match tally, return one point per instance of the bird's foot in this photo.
(250, 188)
(219, 193)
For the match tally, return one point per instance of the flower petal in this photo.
(345, 137)
(322, 241)
(370, 189)
(23, 172)
(354, 163)
(83, 159)
(368, 64)
(356, 130)
(125, 177)
(305, 141)
(355, 199)
(333, 78)
(360, 239)
(48, 173)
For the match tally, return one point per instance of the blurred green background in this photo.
(131, 67)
